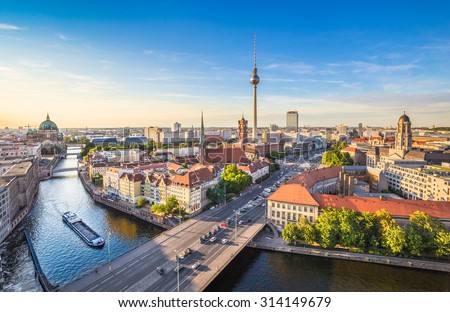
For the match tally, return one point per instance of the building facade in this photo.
(292, 121)
(425, 183)
(19, 184)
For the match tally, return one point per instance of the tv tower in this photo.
(254, 80)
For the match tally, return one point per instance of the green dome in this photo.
(48, 124)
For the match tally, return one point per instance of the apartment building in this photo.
(426, 182)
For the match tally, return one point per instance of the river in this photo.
(65, 257)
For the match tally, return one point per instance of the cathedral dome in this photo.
(404, 118)
(48, 124)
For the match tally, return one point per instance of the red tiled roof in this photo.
(396, 207)
(309, 178)
(252, 167)
(134, 177)
(361, 139)
(293, 193)
(227, 155)
(193, 177)
(350, 149)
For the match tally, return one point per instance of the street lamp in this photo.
(235, 226)
(178, 271)
(109, 250)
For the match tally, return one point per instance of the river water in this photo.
(65, 257)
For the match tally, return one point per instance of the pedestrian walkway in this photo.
(263, 241)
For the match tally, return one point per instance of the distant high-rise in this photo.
(360, 129)
(176, 127)
(403, 139)
(292, 121)
(254, 80)
(273, 127)
(242, 129)
(342, 129)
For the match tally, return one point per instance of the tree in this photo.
(349, 235)
(442, 243)
(141, 201)
(290, 233)
(335, 156)
(236, 179)
(427, 227)
(306, 230)
(393, 237)
(171, 205)
(369, 227)
(159, 209)
(414, 242)
(327, 227)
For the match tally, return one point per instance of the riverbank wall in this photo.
(277, 244)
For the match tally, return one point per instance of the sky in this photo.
(153, 63)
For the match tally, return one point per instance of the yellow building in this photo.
(130, 186)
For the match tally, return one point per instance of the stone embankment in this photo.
(263, 241)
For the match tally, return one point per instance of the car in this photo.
(196, 265)
(178, 268)
(223, 224)
(188, 251)
(160, 270)
(249, 220)
(213, 239)
(224, 241)
(241, 222)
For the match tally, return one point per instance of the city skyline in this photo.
(115, 66)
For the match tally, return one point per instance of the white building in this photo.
(426, 183)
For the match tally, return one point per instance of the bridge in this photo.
(63, 170)
(136, 270)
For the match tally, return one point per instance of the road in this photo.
(136, 270)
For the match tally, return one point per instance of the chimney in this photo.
(382, 197)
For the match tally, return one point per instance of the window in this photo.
(310, 209)
(311, 219)
(305, 209)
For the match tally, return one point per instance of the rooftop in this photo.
(18, 169)
(396, 207)
(294, 194)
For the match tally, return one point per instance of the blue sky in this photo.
(140, 63)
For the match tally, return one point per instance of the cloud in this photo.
(357, 67)
(9, 27)
(296, 67)
(34, 63)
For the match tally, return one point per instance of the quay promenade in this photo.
(263, 241)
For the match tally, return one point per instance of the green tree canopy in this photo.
(442, 243)
(235, 179)
(327, 227)
(141, 201)
(290, 233)
(425, 226)
(307, 232)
